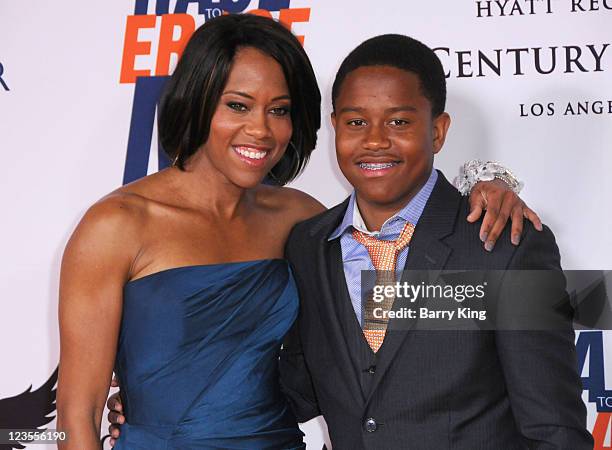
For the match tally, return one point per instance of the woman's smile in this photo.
(252, 155)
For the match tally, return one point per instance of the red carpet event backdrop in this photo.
(529, 81)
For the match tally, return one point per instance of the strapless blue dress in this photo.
(197, 358)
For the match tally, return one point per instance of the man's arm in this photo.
(540, 367)
(295, 378)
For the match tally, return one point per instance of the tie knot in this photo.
(384, 253)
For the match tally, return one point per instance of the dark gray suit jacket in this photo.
(430, 389)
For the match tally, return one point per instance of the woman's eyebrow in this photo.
(244, 94)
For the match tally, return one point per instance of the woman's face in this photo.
(251, 126)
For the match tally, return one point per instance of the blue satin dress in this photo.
(198, 358)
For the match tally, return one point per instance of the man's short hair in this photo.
(404, 53)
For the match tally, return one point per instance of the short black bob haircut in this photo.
(192, 93)
(404, 53)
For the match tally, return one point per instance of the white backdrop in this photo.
(65, 120)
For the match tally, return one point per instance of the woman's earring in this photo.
(292, 145)
(297, 155)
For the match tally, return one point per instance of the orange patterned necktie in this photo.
(384, 258)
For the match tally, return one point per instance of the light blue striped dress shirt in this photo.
(355, 257)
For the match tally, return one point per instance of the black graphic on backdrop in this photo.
(28, 410)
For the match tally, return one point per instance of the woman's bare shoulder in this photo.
(110, 229)
(293, 203)
(119, 208)
(133, 202)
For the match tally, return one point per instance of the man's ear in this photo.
(333, 120)
(440, 128)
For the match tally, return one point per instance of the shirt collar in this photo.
(411, 212)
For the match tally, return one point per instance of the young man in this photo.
(415, 389)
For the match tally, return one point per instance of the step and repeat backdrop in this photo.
(529, 84)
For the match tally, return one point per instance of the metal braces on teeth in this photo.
(376, 166)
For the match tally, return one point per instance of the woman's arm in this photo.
(494, 188)
(495, 196)
(95, 266)
(501, 204)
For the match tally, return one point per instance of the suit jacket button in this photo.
(371, 369)
(370, 425)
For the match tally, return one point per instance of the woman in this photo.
(176, 280)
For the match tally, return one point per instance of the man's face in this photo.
(386, 137)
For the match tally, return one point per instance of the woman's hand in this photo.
(501, 203)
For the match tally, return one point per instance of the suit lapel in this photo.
(427, 252)
(332, 284)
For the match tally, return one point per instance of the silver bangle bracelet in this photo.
(476, 170)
